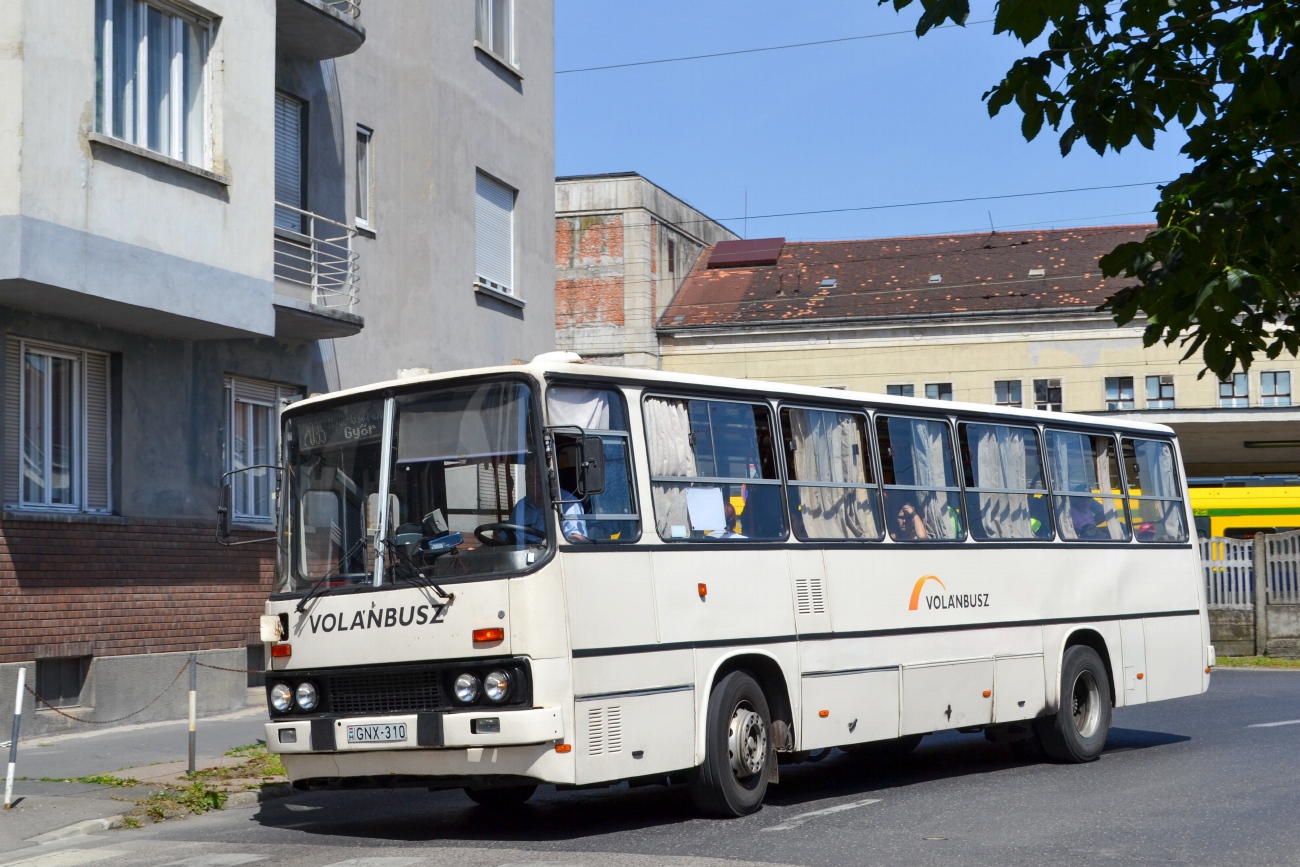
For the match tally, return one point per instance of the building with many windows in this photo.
(1007, 319)
(209, 209)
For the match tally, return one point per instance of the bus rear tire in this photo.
(737, 749)
(1077, 733)
(501, 797)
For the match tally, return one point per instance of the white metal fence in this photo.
(316, 253)
(351, 8)
(1282, 561)
(1229, 566)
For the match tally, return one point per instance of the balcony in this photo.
(316, 276)
(318, 29)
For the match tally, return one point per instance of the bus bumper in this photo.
(469, 729)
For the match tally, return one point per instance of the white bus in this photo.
(559, 573)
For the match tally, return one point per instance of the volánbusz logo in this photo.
(944, 601)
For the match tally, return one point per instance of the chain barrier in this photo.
(235, 670)
(104, 722)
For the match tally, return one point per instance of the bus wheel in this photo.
(737, 749)
(1078, 731)
(501, 797)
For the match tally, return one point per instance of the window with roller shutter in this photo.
(494, 215)
(57, 439)
(290, 161)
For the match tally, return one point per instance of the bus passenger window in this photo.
(610, 516)
(922, 497)
(1153, 491)
(1087, 496)
(1006, 495)
(713, 470)
(832, 493)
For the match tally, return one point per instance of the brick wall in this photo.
(126, 585)
(589, 271)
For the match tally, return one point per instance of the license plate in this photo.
(377, 734)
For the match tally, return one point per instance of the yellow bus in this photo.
(1239, 507)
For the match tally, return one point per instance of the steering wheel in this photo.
(516, 531)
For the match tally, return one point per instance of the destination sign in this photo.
(345, 425)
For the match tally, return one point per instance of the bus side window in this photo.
(611, 515)
(922, 495)
(1087, 492)
(1153, 491)
(828, 459)
(1006, 495)
(713, 470)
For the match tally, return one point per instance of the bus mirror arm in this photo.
(226, 508)
(591, 476)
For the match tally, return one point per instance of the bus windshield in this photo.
(465, 497)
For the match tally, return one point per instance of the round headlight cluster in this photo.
(496, 686)
(283, 697)
(466, 688)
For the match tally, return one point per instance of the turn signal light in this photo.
(564, 748)
(823, 713)
(1140, 675)
(1207, 669)
(987, 693)
(282, 651)
(703, 589)
(496, 633)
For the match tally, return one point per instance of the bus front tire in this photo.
(737, 749)
(1077, 733)
(501, 797)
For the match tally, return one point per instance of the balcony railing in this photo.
(350, 8)
(316, 253)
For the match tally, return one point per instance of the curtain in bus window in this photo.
(931, 461)
(1002, 458)
(1153, 485)
(922, 501)
(587, 408)
(1085, 483)
(668, 439)
(829, 447)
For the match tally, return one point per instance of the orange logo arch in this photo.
(916, 591)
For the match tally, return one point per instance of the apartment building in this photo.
(209, 209)
(623, 246)
(1007, 319)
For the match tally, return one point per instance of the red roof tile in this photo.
(891, 277)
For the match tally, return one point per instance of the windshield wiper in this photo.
(405, 569)
(333, 573)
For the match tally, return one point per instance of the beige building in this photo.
(1005, 319)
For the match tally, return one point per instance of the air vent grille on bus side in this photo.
(604, 730)
(809, 596)
(379, 691)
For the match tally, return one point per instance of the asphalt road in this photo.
(1192, 781)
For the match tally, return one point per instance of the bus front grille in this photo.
(378, 692)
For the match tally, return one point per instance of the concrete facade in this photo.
(174, 272)
(623, 246)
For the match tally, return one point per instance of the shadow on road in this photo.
(414, 815)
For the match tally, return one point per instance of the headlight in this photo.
(496, 686)
(281, 697)
(307, 696)
(466, 688)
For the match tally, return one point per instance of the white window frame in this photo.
(1046, 405)
(900, 386)
(1119, 402)
(486, 26)
(1237, 399)
(938, 391)
(365, 178)
(1020, 392)
(1271, 399)
(81, 457)
(1161, 402)
(178, 19)
(254, 393)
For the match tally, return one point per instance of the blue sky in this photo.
(866, 123)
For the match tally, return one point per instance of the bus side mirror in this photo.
(225, 512)
(591, 475)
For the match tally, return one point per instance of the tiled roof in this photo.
(896, 277)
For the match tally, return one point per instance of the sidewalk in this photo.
(153, 753)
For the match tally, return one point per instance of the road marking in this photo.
(375, 862)
(796, 821)
(1285, 722)
(215, 861)
(67, 858)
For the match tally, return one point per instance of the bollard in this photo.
(13, 744)
(194, 687)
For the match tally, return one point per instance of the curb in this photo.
(260, 796)
(77, 829)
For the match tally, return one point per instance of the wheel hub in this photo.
(1085, 704)
(746, 741)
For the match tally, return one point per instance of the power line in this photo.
(758, 50)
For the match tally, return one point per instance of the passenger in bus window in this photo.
(909, 525)
(1088, 518)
